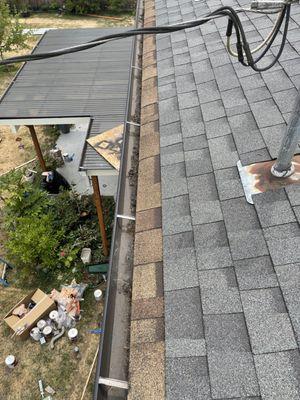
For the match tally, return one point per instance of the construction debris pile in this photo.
(46, 318)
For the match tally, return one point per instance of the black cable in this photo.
(234, 21)
(284, 35)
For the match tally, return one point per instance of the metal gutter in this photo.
(113, 357)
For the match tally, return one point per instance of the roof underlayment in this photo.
(92, 83)
(231, 270)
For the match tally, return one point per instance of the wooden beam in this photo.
(98, 203)
(37, 147)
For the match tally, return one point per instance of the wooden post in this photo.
(98, 203)
(37, 147)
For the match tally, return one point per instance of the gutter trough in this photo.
(111, 379)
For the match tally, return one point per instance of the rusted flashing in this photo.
(147, 349)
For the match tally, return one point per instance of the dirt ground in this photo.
(47, 20)
(58, 368)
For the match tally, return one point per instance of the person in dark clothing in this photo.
(53, 181)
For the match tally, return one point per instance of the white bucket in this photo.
(41, 324)
(98, 294)
(35, 334)
(86, 255)
(73, 334)
(54, 315)
(47, 332)
(10, 361)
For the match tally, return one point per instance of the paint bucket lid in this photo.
(10, 360)
(41, 324)
(53, 315)
(98, 294)
(47, 331)
(73, 333)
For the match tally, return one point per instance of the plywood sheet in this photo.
(109, 145)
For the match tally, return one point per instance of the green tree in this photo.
(12, 36)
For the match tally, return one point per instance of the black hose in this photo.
(242, 45)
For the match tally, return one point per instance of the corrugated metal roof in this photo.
(88, 83)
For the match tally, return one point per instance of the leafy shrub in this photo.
(83, 6)
(118, 6)
(46, 233)
(34, 243)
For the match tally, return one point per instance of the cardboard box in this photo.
(42, 308)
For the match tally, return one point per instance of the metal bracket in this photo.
(135, 67)
(258, 178)
(113, 383)
(132, 123)
(126, 217)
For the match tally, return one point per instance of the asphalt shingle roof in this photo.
(231, 269)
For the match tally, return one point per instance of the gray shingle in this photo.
(223, 152)
(266, 113)
(278, 375)
(277, 81)
(226, 77)
(212, 247)
(204, 203)
(165, 67)
(212, 110)
(219, 58)
(244, 234)
(283, 242)
(166, 80)
(187, 378)
(181, 59)
(180, 270)
(203, 71)
(170, 134)
(184, 69)
(198, 53)
(255, 156)
(228, 183)
(195, 143)
(183, 322)
(273, 208)
(176, 215)
(173, 154)
(233, 97)
(192, 122)
(293, 192)
(230, 361)
(174, 182)
(286, 99)
(289, 279)
(168, 111)
(291, 67)
(255, 273)
(246, 134)
(217, 127)
(273, 136)
(208, 92)
(257, 94)
(188, 100)
(185, 83)
(219, 291)
(268, 323)
(167, 91)
(251, 82)
(197, 162)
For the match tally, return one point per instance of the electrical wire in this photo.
(243, 51)
(261, 45)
